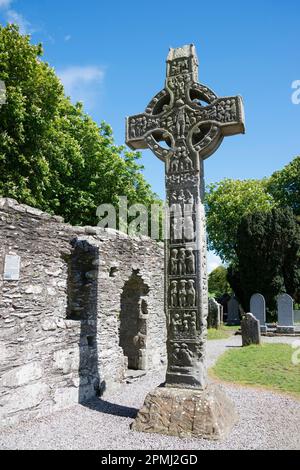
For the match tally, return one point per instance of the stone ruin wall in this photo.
(60, 323)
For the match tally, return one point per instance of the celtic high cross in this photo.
(183, 125)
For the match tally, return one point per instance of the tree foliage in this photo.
(284, 185)
(217, 282)
(52, 155)
(227, 203)
(268, 251)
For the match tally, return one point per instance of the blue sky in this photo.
(112, 56)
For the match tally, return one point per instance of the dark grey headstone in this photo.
(258, 309)
(285, 308)
(233, 316)
(250, 330)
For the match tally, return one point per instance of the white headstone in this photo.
(285, 307)
(12, 268)
(258, 309)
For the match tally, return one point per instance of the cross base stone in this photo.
(207, 414)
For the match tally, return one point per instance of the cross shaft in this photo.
(192, 122)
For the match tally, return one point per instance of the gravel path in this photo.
(267, 420)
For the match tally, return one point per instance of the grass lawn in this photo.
(268, 365)
(222, 333)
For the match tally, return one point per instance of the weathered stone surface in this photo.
(22, 375)
(214, 314)
(192, 132)
(250, 330)
(285, 308)
(181, 412)
(60, 322)
(258, 309)
(23, 398)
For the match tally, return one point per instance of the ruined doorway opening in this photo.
(133, 322)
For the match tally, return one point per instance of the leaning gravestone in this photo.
(258, 309)
(285, 308)
(250, 330)
(214, 314)
(233, 315)
(192, 121)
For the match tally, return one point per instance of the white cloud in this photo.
(5, 3)
(82, 83)
(12, 16)
(68, 37)
(213, 261)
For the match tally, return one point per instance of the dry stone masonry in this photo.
(78, 306)
(183, 125)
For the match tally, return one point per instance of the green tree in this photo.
(217, 282)
(52, 155)
(227, 203)
(268, 252)
(284, 185)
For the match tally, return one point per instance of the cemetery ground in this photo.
(222, 332)
(268, 419)
(268, 365)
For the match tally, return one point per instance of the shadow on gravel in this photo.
(106, 407)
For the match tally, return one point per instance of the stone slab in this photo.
(250, 330)
(207, 414)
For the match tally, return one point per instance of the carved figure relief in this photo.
(176, 228)
(191, 293)
(180, 123)
(175, 323)
(179, 66)
(182, 293)
(181, 262)
(174, 294)
(188, 226)
(174, 262)
(180, 161)
(182, 356)
(190, 261)
(184, 199)
(184, 324)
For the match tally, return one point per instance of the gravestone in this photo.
(258, 309)
(233, 315)
(285, 309)
(214, 314)
(221, 314)
(183, 125)
(250, 330)
(297, 316)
